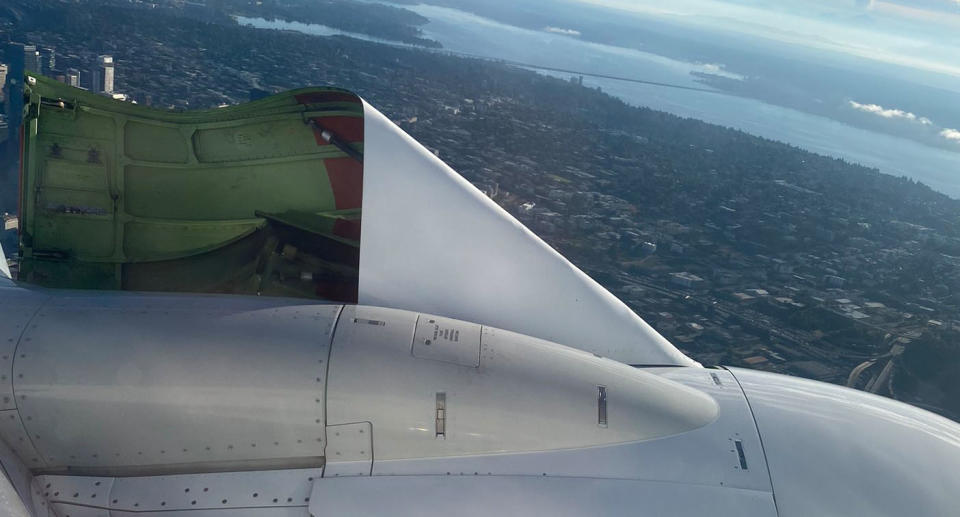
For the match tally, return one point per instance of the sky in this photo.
(921, 34)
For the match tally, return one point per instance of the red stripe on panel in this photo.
(338, 291)
(346, 180)
(347, 228)
(347, 129)
(316, 97)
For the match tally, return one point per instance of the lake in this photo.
(462, 32)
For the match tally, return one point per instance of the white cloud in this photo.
(720, 70)
(566, 32)
(951, 134)
(880, 111)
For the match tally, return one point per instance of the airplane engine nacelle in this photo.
(837, 451)
(122, 381)
(145, 384)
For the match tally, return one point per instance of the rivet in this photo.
(96, 484)
(186, 490)
(193, 502)
(289, 499)
(255, 494)
(224, 501)
(205, 489)
(163, 503)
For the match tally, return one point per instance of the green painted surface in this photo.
(115, 195)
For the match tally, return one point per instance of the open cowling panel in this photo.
(260, 198)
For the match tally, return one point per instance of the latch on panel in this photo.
(441, 417)
(602, 406)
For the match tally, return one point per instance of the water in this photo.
(308, 28)
(463, 32)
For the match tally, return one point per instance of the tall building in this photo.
(73, 77)
(103, 75)
(14, 54)
(31, 59)
(48, 60)
(3, 81)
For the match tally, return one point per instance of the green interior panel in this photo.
(155, 143)
(183, 193)
(120, 196)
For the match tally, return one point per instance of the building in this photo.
(834, 281)
(687, 280)
(13, 55)
(48, 61)
(73, 77)
(86, 78)
(103, 75)
(3, 80)
(31, 58)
